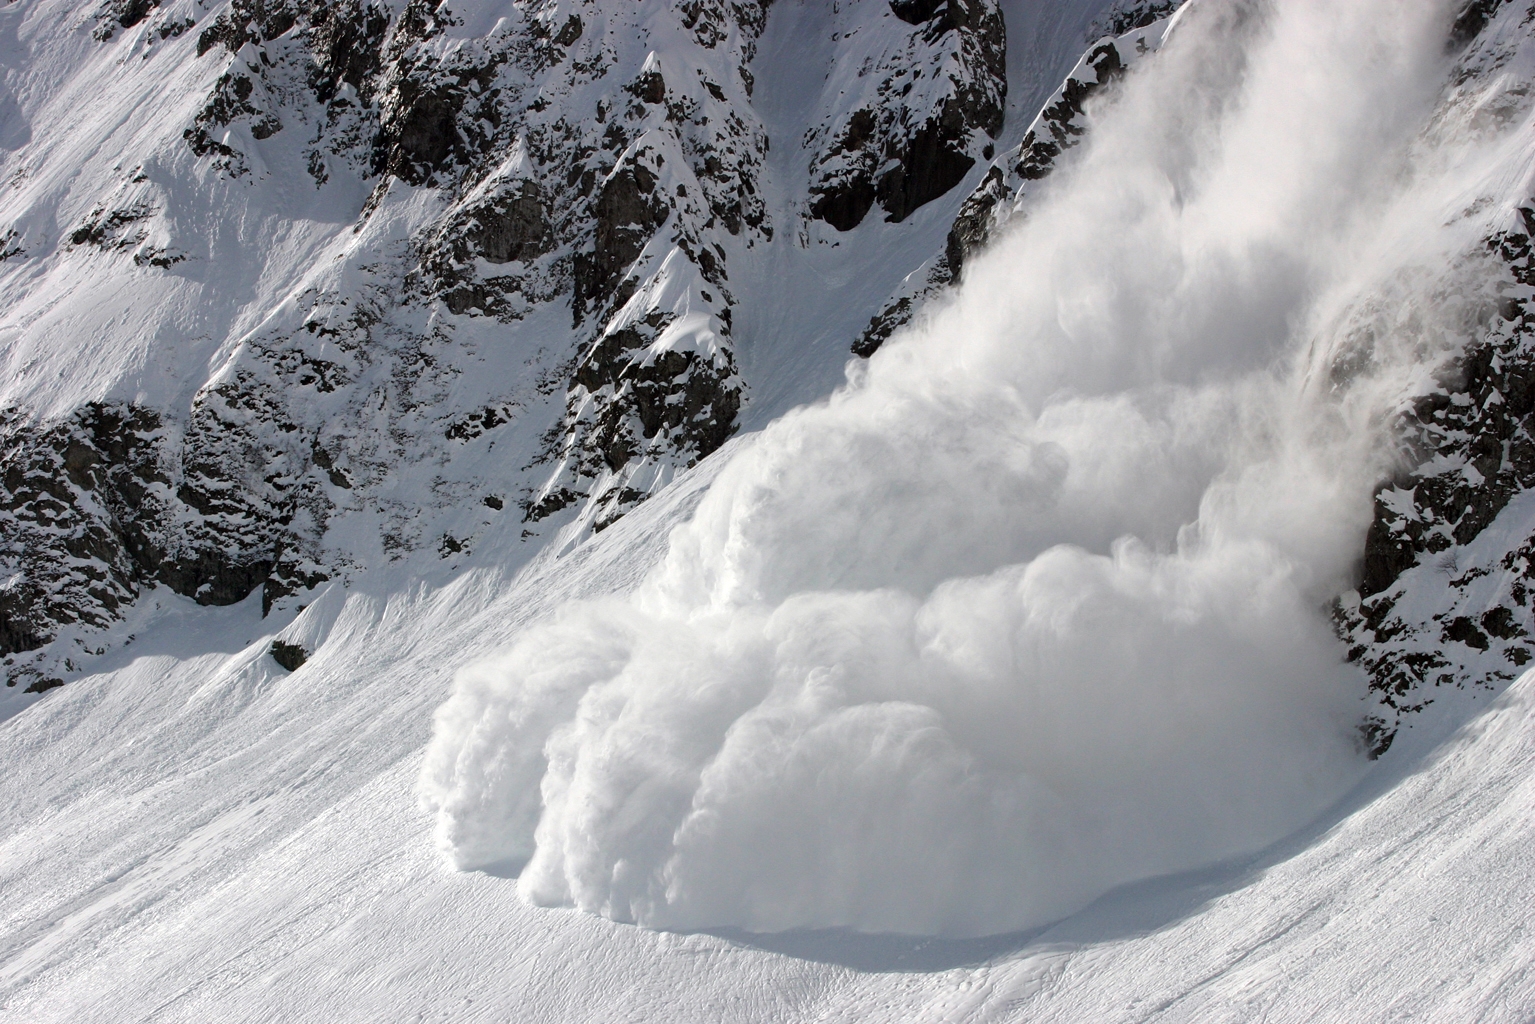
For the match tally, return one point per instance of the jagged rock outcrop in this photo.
(95, 509)
(77, 497)
(1444, 598)
(1128, 15)
(1060, 126)
(935, 107)
(290, 656)
(581, 178)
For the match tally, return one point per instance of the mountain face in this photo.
(1443, 601)
(345, 284)
(663, 359)
(349, 284)
(318, 287)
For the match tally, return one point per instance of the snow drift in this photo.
(1036, 604)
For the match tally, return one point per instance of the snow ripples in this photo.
(1035, 605)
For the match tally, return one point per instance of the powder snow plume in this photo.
(1036, 605)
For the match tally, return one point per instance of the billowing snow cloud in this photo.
(1036, 604)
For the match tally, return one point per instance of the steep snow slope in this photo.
(244, 846)
(193, 832)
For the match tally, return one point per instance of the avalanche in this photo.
(1035, 605)
(446, 443)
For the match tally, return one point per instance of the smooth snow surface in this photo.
(1033, 607)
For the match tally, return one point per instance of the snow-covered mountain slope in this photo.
(294, 290)
(1032, 607)
(199, 835)
(1146, 599)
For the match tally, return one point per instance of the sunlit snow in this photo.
(996, 684)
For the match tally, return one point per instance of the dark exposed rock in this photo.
(117, 14)
(434, 112)
(43, 685)
(1471, 20)
(1376, 736)
(18, 622)
(1481, 419)
(155, 257)
(1471, 446)
(1063, 124)
(885, 323)
(325, 46)
(569, 32)
(291, 575)
(230, 100)
(911, 148)
(649, 87)
(73, 502)
(935, 157)
(1060, 126)
(289, 656)
(583, 233)
(1464, 630)
(550, 502)
(105, 229)
(516, 228)
(1500, 623)
(345, 41)
(1128, 15)
(972, 226)
(420, 134)
(845, 204)
(932, 161)
(656, 384)
(480, 421)
(1389, 550)
(940, 16)
(916, 12)
(683, 404)
(710, 21)
(628, 211)
(209, 578)
(99, 506)
(248, 21)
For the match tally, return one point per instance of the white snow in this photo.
(835, 675)
(1035, 606)
(244, 847)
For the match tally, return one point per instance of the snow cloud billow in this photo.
(1036, 604)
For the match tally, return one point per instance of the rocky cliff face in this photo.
(347, 283)
(1446, 575)
(369, 277)
(1443, 601)
(931, 105)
